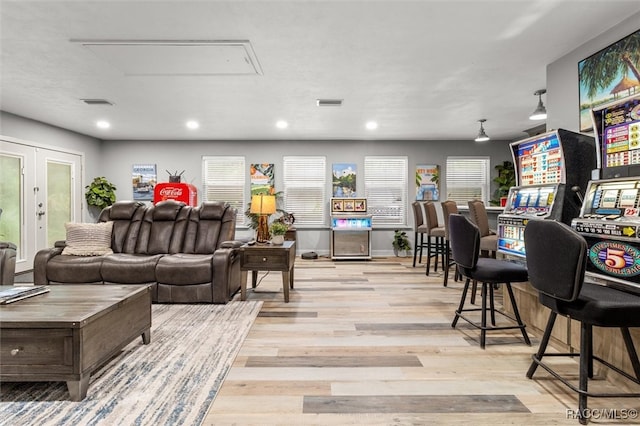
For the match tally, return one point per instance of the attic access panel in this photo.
(177, 58)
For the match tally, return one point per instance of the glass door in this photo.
(40, 190)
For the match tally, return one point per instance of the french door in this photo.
(40, 190)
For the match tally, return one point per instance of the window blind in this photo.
(224, 180)
(304, 181)
(467, 179)
(385, 187)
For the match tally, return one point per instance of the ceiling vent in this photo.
(96, 102)
(328, 102)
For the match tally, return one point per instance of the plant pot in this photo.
(277, 240)
(400, 253)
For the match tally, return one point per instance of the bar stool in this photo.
(419, 229)
(435, 236)
(488, 237)
(561, 287)
(448, 208)
(465, 245)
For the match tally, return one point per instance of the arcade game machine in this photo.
(551, 171)
(610, 215)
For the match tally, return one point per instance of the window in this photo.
(385, 186)
(304, 189)
(467, 179)
(224, 180)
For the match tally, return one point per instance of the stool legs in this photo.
(417, 247)
(488, 306)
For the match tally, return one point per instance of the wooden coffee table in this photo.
(268, 257)
(66, 334)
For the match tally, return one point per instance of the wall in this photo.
(118, 156)
(41, 134)
(562, 76)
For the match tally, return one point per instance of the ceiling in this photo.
(421, 69)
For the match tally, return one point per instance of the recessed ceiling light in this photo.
(102, 124)
(281, 124)
(372, 125)
(192, 124)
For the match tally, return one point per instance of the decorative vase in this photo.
(277, 240)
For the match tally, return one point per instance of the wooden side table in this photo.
(268, 257)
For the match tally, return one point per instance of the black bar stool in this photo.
(560, 282)
(465, 246)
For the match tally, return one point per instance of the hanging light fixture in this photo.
(540, 112)
(482, 136)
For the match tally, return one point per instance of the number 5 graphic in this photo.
(615, 258)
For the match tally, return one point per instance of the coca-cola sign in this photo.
(171, 192)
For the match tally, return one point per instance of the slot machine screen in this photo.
(539, 160)
(608, 198)
(617, 128)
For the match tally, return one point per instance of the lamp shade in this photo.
(263, 204)
(540, 113)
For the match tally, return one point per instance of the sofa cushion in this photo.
(88, 239)
(126, 268)
(184, 269)
(74, 269)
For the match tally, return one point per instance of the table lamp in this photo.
(263, 206)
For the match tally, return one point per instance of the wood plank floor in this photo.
(370, 342)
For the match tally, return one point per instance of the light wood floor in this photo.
(371, 343)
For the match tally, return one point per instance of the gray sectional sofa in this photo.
(188, 253)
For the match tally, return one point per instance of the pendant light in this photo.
(482, 136)
(540, 112)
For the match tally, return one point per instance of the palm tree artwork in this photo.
(610, 74)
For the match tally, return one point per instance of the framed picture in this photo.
(427, 182)
(361, 205)
(337, 206)
(349, 205)
(609, 74)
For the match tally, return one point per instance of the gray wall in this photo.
(118, 156)
(562, 76)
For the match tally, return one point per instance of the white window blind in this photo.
(304, 180)
(467, 179)
(385, 186)
(224, 180)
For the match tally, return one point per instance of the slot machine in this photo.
(552, 170)
(610, 216)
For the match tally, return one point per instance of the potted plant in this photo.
(100, 193)
(401, 244)
(505, 180)
(277, 231)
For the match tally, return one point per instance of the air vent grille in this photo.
(328, 102)
(96, 102)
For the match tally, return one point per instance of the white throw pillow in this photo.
(88, 239)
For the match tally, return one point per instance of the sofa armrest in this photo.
(40, 264)
(231, 244)
(226, 274)
(7, 262)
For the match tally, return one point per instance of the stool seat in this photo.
(599, 306)
(498, 271)
(489, 243)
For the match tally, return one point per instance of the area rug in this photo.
(171, 381)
